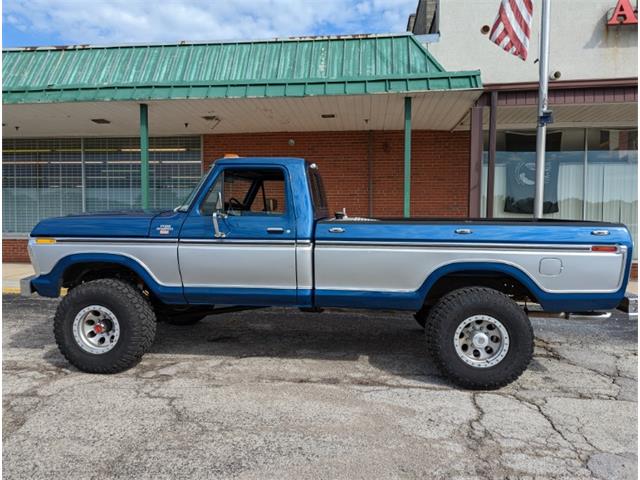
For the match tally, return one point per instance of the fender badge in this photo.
(164, 229)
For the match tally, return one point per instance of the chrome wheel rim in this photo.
(481, 341)
(96, 329)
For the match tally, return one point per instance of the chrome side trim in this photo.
(227, 241)
(113, 240)
(459, 245)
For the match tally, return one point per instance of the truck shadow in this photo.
(389, 341)
(383, 343)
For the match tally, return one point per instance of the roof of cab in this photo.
(284, 161)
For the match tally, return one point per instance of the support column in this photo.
(83, 178)
(475, 163)
(491, 167)
(144, 155)
(407, 157)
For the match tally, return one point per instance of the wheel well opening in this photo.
(86, 272)
(496, 280)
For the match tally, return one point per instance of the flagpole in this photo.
(544, 115)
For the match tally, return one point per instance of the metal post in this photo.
(585, 165)
(144, 155)
(543, 103)
(407, 157)
(491, 165)
(370, 170)
(475, 162)
(83, 175)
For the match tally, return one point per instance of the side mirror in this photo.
(218, 213)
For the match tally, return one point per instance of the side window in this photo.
(248, 192)
(270, 197)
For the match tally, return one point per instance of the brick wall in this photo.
(14, 250)
(439, 168)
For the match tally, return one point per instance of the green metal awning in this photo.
(345, 65)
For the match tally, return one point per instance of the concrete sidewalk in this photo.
(11, 275)
(13, 272)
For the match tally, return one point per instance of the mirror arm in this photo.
(216, 227)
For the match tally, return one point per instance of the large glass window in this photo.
(45, 177)
(591, 174)
(612, 177)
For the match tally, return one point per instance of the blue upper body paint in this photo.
(303, 223)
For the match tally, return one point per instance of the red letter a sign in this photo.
(623, 14)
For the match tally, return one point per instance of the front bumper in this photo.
(26, 289)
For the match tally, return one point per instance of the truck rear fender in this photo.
(503, 277)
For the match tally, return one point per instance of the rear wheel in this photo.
(104, 326)
(479, 338)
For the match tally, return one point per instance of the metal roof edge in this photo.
(185, 43)
(270, 82)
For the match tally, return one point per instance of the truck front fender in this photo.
(49, 284)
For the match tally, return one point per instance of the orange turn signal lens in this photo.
(604, 248)
(45, 240)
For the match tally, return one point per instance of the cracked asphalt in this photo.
(278, 393)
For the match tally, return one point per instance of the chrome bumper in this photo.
(26, 290)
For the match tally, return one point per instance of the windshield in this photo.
(184, 206)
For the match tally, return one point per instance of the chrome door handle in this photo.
(275, 230)
(600, 233)
(463, 231)
(336, 230)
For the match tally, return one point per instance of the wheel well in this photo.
(85, 272)
(499, 281)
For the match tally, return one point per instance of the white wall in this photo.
(582, 47)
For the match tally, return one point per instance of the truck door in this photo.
(250, 259)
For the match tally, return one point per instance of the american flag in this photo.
(512, 28)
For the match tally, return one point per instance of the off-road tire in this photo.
(134, 314)
(451, 310)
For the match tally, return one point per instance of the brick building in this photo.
(421, 124)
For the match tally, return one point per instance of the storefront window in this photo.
(612, 177)
(45, 177)
(591, 174)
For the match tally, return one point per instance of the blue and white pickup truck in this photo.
(257, 232)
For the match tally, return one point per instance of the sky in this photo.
(108, 22)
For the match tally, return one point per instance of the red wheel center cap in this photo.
(98, 328)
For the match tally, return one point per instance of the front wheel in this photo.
(479, 338)
(104, 326)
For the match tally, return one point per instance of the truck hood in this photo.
(129, 223)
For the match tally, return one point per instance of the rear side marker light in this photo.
(44, 240)
(604, 248)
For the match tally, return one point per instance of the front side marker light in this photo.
(45, 240)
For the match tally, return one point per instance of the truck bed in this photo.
(554, 260)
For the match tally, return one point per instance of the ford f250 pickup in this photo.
(257, 232)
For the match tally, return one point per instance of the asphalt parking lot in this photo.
(282, 394)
